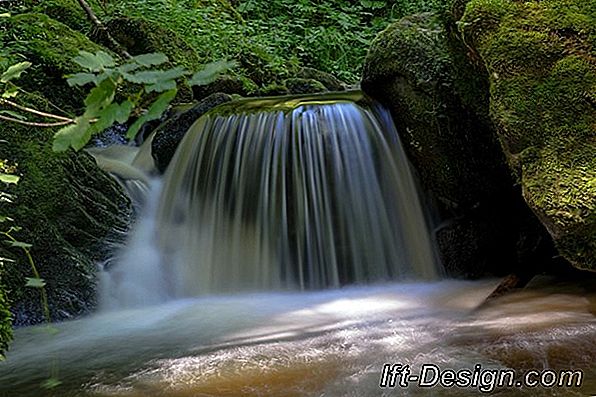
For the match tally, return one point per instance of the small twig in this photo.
(95, 21)
(34, 124)
(33, 111)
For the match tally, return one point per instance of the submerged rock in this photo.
(68, 210)
(169, 134)
(540, 59)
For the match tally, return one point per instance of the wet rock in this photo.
(169, 134)
(68, 210)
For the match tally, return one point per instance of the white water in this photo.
(305, 193)
(327, 343)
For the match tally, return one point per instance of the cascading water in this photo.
(306, 193)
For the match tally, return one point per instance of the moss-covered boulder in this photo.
(68, 12)
(50, 46)
(540, 59)
(299, 86)
(330, 82)
(169, 134)
(439, 101)
(225, 84)
(68, 210)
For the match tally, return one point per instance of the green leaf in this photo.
(152, 59)
(210, 72)
(5, 219)
(144, 77)
(5, 15)
(105, 59)
(153, 113)
(113, 113)
(35, 282)
(173, 73)
(74, 135)
(155, 76)
(9, 178)
(10, 92)
(18, 244)
(87, 60)
(14, 71)
(7, 260)
(81, 79)
(161, 86)
(99, 98)
(127, 67)
(95, 62)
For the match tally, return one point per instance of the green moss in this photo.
(439, 104)
(541, 62)
(140, 36)
(66, 207)
(50, 46)
(5, 318)
(68, 12)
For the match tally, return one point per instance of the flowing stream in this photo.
(286, 252)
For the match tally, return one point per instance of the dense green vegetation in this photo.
(271, 40)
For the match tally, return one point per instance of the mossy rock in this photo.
(274, 89)
(223, 84)
(68, 209)
(540, 59)
(441, 108)
(298, 86)
(5, 317)
(68, 12)
(439, 102)
(330, 82)
(50, 46)
(169, 134)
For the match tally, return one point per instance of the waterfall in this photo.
(288, 193)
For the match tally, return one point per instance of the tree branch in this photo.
(34, 124)
(33, 111)
(98, 24)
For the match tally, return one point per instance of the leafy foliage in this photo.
(101, 110)
(271, 40)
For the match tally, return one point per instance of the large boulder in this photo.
(439, 101)
(540, 59)
(68, 210)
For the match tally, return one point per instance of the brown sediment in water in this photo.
(286, 380)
